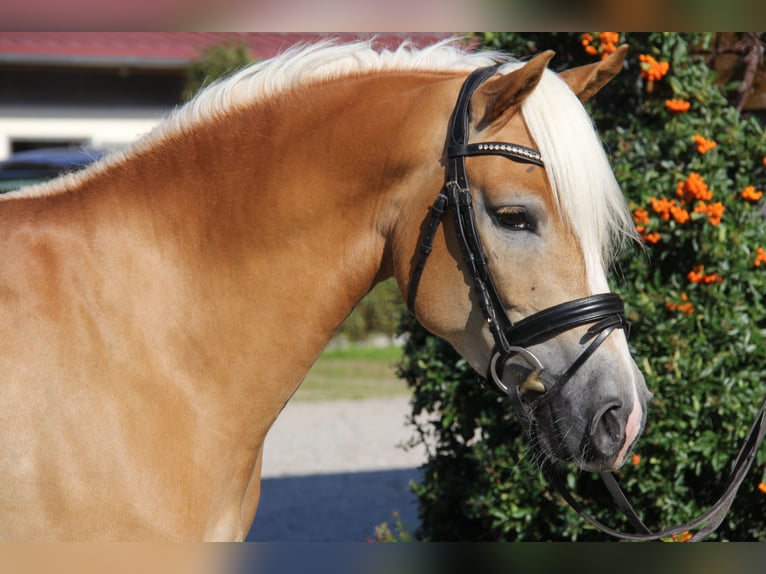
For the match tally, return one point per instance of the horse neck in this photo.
(264, 227)
(310, 186)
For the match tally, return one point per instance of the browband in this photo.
(511, 151)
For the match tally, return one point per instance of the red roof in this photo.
(163, 48)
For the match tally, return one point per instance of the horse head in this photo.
(517, 279)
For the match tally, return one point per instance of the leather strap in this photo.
(455, 174)
(555, 320)
(435, 216)
(707, 522)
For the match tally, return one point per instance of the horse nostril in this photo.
(607, 430)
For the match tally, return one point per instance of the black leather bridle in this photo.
(604, 312)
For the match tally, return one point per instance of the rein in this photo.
(605, 312)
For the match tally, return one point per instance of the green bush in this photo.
(376, 314)
(694, 297)
(217, 61)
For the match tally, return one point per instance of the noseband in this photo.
(605, 312)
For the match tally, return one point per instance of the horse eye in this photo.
(515, 218)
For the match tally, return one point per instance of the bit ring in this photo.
(532, 382)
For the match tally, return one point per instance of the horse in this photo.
(160, 307)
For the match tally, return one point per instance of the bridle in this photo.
(604, 312)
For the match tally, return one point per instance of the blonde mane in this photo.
(578, 169)
(325, 60)
(299, 65)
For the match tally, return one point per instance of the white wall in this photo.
(107, 127)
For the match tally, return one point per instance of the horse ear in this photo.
(585, 81)
(502, 97)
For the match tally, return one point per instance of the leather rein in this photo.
(604, 312)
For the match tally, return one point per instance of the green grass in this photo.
(354, 373)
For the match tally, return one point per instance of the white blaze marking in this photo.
(632, 427)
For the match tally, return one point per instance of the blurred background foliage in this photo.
(215, 62)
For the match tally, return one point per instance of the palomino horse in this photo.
(160, 307)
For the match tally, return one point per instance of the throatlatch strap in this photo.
(457, 133)
(435, 216)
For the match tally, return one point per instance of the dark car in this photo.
(38, 165)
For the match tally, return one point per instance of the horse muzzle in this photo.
(520, 374)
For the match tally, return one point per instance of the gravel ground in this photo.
(334, 470)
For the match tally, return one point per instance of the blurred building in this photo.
(103, 90)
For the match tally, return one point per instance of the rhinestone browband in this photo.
(511, 151)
